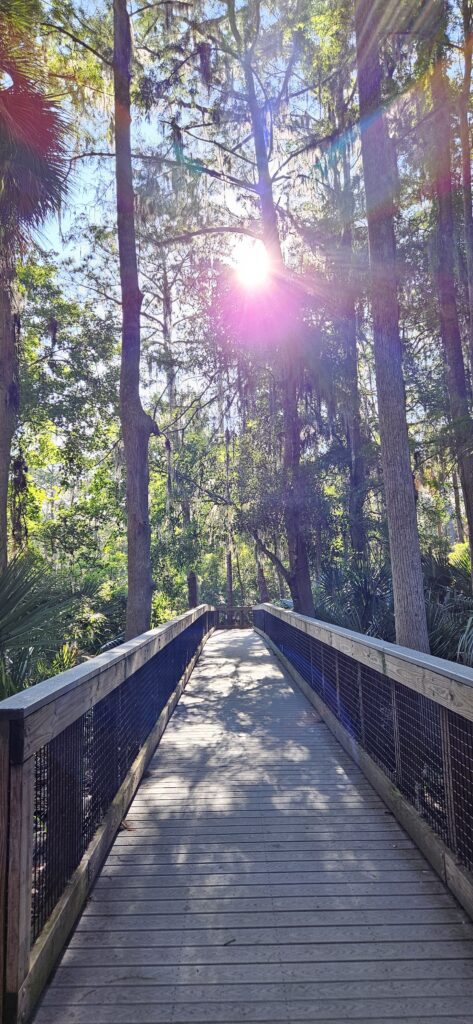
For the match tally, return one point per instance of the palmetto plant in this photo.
(33, 129)
(33, 606)
(449, 604)
(359, 597)
(32, 145)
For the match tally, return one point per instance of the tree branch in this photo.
(187, 235)
(77, 40)
(195, 166)
(233, 22)
(272, 557)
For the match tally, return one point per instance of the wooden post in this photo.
(19, 883)
(323, 673)
(337, 682)
(396, 734)
(4, 787)
(360, 703)
(447, 779)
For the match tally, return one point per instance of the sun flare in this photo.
(252, 265)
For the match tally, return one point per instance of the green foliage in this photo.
(211, 373)
(34, 604)
(358, 597)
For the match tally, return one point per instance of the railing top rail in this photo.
(121, 661)
(233, 607)
(443, 681)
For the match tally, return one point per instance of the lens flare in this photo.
(252, 265)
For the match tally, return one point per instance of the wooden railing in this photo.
(72, 753)
(406, 718)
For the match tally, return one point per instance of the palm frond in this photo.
(357, 597)
(32, 605)
(33, 129)
(464, 651)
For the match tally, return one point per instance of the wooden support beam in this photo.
(4, 802)
(19, 883)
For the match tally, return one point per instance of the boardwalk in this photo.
(260, 878)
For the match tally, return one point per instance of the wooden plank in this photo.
(293, 891)
(149, 915)
(131, 900)
(348, 852)
(132, 990)
(82, 969)
(136, 951)
(457, 1009)
(216, 870)
(319, 842)
(119, 930)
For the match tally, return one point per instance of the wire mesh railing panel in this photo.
(259, 619)
(295, 647)
(330, 677)
(420, 776)
(349, 687)
(101, 764)
(378, 718)
(460, 748)
(58, 818)
(425, 749)
(79, 772)
(301, 653)
(317, 681)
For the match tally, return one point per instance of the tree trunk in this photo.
(9, 393)
(465, 141)
(229, 587)
(294, 500)
(458, 508)
(300, 582)
(136, 425)
(192, 590)
(356, 494)
(281, 584)
(462, 423)
(348, 318)
(263, 592)
(240, 578)
(229, 562)
(409, 604)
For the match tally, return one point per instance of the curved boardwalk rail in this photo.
(72, 752)
(261, 878)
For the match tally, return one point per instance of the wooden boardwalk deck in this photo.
(261, 879)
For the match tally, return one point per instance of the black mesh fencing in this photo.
(79, 772)
(424, 748)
